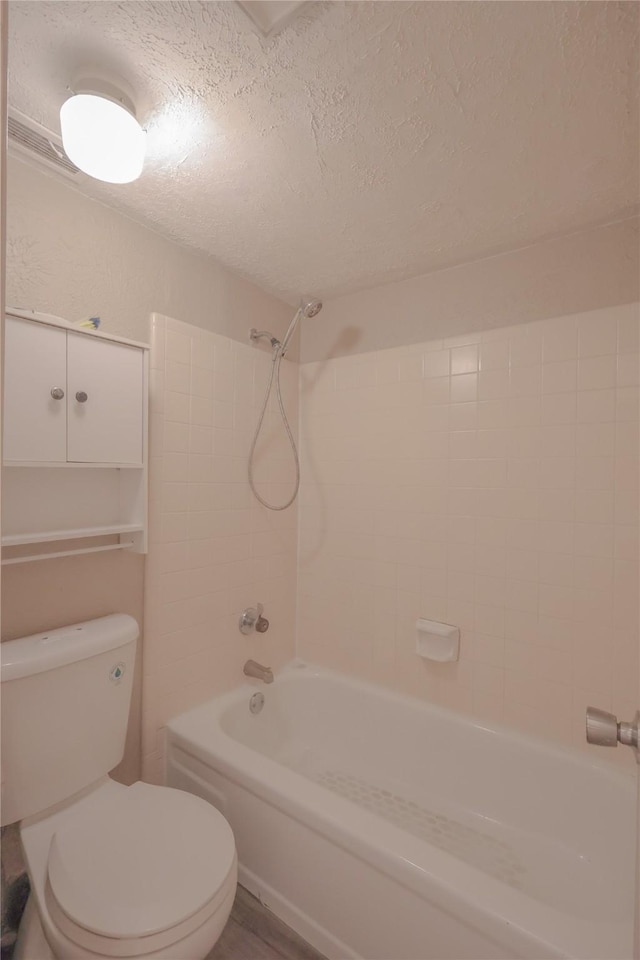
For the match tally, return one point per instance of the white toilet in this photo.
(140, 871)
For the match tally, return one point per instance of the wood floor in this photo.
(253, 933)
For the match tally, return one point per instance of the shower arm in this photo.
(263, 335)
(307, 308)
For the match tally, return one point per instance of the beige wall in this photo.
(74, 257)
(585, 271)
(488, 480)
(3, 180)
(214, 550)
(48, 594)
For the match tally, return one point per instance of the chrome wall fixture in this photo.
(257, 671)
(604, 730)
(251, 619)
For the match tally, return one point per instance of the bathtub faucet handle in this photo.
(252, 619)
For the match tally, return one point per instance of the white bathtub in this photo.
(383, 828)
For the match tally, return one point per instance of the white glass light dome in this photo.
(102, 138)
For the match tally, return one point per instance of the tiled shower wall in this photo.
(213, 549)
(489, 481)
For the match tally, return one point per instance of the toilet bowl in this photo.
(139, 871)
(130, 872)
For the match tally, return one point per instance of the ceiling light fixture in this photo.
(100, 133)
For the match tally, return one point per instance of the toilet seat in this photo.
(139, 871)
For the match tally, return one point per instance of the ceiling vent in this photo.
(270, 16)
(33, 141)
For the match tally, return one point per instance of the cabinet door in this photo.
(35, 392)
(105, 410)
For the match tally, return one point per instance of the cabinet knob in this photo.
(81, 396)
(57, 393)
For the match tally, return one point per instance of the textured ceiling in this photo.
(365, 142)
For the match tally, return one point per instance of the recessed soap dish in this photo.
(437, 641)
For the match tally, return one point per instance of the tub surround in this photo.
(214, 550)
(488, 481)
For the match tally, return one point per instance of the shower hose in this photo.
(275, 375)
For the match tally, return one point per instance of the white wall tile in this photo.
(597, 373)
(488, 481)
(559, 376)
(206, 538)
(596, 338)
(532, 464)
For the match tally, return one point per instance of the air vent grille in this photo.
(32, 139)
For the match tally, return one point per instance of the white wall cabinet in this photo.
(74, 439)
(71, 397)
(35, 386)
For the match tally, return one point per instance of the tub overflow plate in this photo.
(256, 703)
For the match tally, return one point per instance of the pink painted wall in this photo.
(52, 593)
(111, 266)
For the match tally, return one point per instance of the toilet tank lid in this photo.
(39, 652)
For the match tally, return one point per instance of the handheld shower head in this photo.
(308, 308)
(311, 308)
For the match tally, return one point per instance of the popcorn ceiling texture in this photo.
(366, 142)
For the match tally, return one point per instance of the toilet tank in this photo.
(65, 700)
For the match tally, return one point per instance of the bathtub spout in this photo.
(253, 669)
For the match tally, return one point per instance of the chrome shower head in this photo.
(307, 308)
(310, 308)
